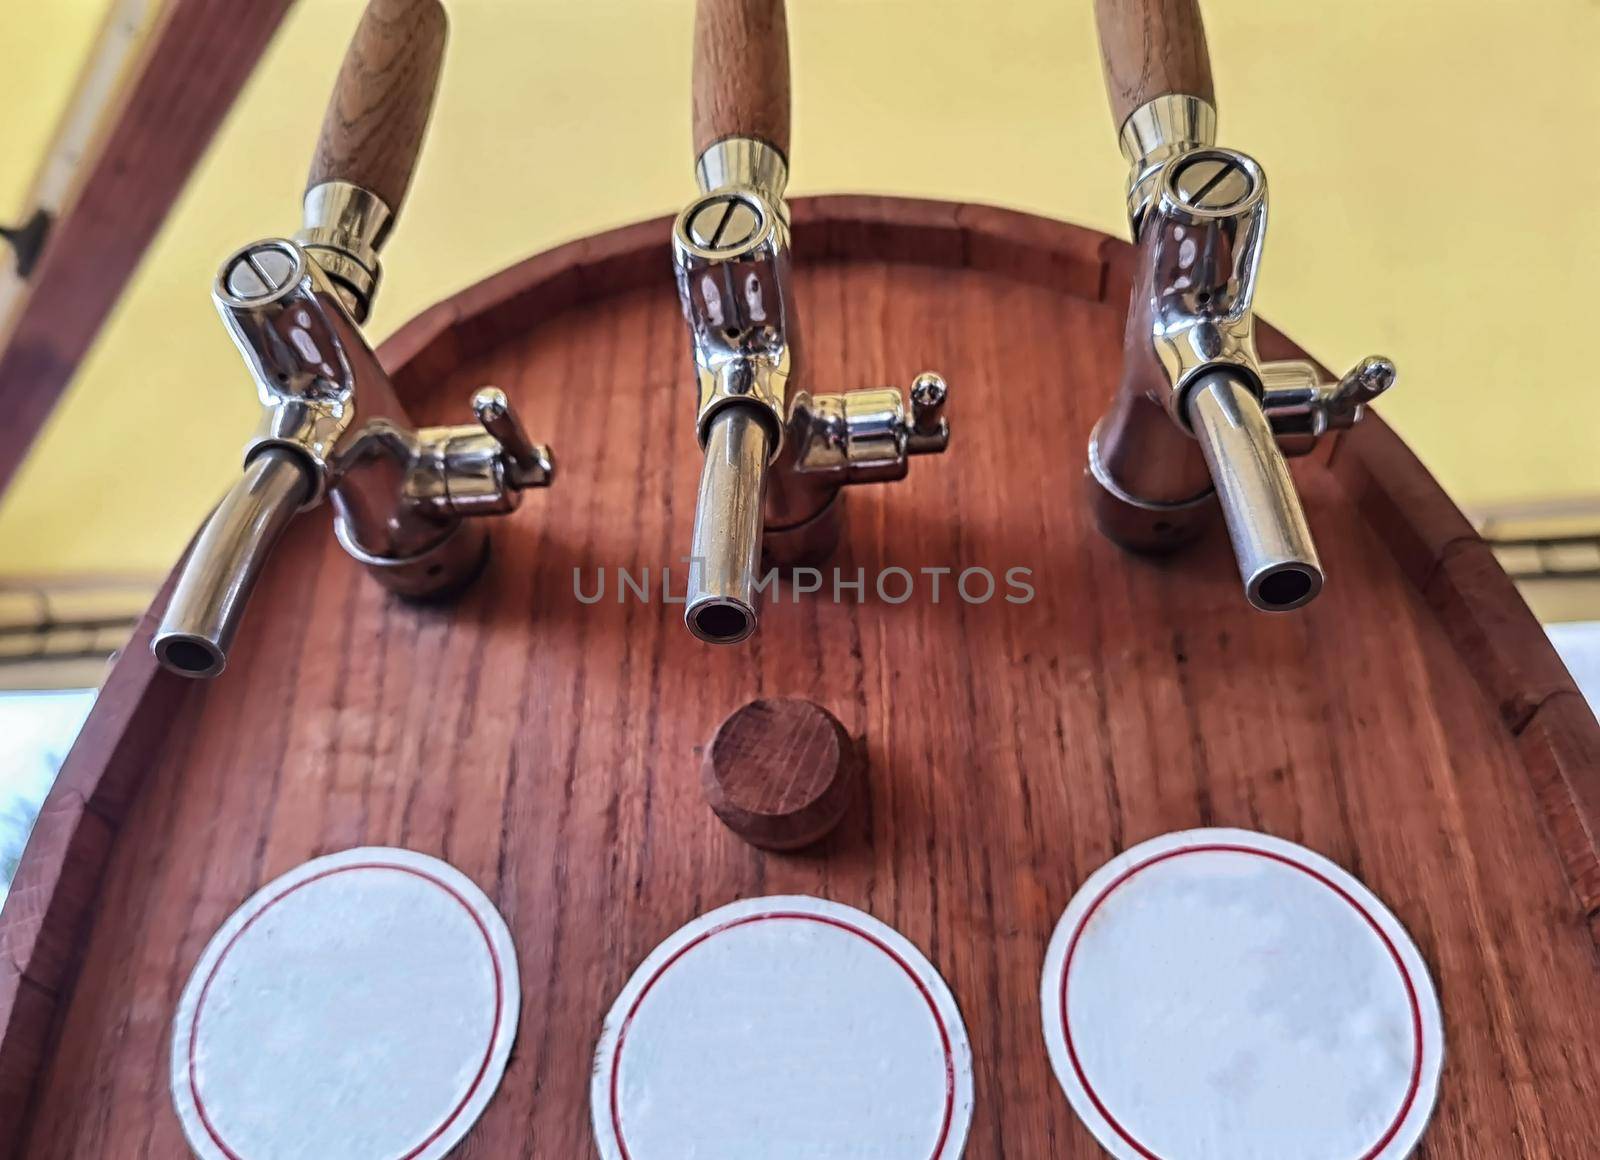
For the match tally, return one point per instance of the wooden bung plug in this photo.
(780, 773)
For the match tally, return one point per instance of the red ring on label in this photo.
(1405, 976)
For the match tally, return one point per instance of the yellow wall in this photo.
(1434, 197)
(45, 45)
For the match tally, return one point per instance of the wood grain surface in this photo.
(1150, 48)
(741, 72)
(1411, 724)
(780, 772)
(377, 118)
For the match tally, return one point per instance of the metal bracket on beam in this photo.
(27, 240)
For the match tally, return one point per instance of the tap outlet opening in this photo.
(189, 656)
(1285, 588)
(721, 621)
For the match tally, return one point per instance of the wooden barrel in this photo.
(1413, 724)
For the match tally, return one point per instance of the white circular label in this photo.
(361, 1006)
(785, 1028)
(1221, 993)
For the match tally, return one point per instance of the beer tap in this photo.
(1198, 416)
(776, 454)
(332, 428)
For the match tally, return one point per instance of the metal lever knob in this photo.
(529, 464)
(1303, 407)
(1361, 384)
(930, 430)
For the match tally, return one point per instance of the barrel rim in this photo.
(54, 894)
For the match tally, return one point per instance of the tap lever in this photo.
(1364, 382)
(1271, 540)
(930, 430)
(1302, 406)
(476, 469)
(867, 435)
(528, 464)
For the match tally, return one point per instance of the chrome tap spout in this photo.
(726, 549)
(213, 589)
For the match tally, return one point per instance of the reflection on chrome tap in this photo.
(766, 437)
(1198, 414)
(332, 428)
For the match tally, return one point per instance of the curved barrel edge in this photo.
(59, 879)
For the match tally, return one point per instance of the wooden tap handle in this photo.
(1151, 48)
(741, 73)
(373, 130)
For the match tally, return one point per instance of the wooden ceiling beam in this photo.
(189, 71)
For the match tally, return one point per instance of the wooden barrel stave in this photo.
(1411, 724)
